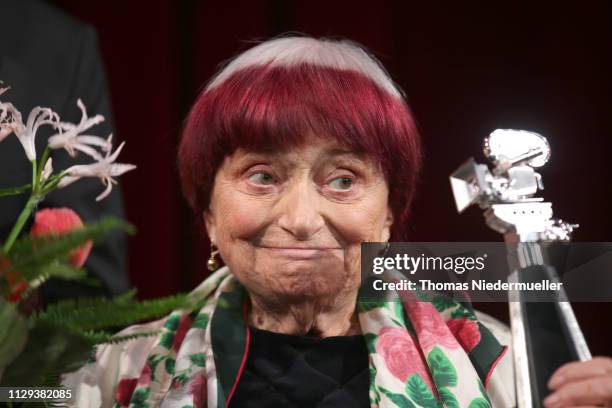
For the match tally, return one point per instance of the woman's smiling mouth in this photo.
(301, 252)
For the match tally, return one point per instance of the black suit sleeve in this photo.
(51, 59)
(107, 260)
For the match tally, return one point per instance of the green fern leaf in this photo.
(102, 313)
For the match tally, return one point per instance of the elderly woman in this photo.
(295, 153)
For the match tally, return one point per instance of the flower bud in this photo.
(58, 221)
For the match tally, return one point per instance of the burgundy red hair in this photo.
(271, 106)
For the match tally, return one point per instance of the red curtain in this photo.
(467, 68)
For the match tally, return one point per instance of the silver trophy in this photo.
(506, 192)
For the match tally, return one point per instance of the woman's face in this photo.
(289, 223)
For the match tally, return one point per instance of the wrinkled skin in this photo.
(289, 225)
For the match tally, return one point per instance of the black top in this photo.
(301, 371)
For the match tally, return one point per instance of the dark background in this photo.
(467, 68)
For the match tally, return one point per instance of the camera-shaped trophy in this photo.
(545, 333)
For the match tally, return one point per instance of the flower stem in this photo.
(23, 217)
(50, 184)
(14, 190)
(35, 198)
(34, 176)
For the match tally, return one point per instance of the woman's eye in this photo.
(341, 183)
(262, 178)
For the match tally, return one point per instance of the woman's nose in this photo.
(300, 211)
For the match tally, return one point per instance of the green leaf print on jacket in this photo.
(398, 399)
(442, 370)
(420, 393)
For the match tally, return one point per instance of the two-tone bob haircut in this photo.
(279, 93)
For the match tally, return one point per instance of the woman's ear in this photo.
(386, 231)
(209, 223)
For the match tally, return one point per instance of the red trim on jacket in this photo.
(245, 316)
(497, 360)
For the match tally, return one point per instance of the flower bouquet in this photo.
(37, 346)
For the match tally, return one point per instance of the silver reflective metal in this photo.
(509, 147)
(506, 192)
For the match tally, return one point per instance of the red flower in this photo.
(197, 388)
(401, 355)
(181, 331)
(466, 331)
(15, 282)
(13, 278)
(124, 391)
(16, 291)
(55, 221)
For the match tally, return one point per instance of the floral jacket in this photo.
(437, 353)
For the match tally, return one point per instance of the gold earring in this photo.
(212, 260)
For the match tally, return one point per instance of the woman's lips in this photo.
(302, 253)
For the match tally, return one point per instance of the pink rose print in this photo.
(197, 388)
(124, 391)
(466, 331)
(181, 331)
(176, 383)
(145, 376)
(429, 325)
(401, 355)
